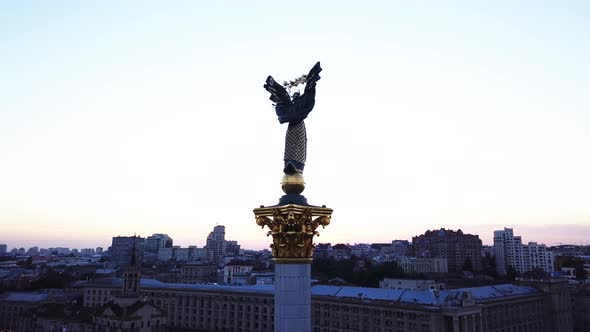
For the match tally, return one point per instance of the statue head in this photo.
(296, 95)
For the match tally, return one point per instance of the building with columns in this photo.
(342, 308)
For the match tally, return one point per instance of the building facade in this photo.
(581, 309)
(400, 247)
(410, 284)
(237, 273)
(509, 251)
(323, 251)
(128, 310)
(462, 251)
(340, 308)
(154, 242)
(422, 264)
(121, 249)
(341, 251)
(198, 272)
(431, 265)
(232, 248)
(56, 316)
(216, 244)
(15, 305)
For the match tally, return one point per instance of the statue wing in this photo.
(313, 77)
(306, 102)
(278, 93)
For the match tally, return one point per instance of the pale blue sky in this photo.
(150, 117)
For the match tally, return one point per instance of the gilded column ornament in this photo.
(292, 228)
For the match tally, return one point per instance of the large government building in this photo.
(532, 306)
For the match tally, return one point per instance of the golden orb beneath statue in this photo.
(293, 183)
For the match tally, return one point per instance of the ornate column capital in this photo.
(292, 228)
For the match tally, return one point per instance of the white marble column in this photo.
(292, 298)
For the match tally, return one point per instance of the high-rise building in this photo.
(3, 249)
(121, 250)
(99, 250)
(216, 244)
(33, 251)
(510, 251)
(232, 248)
(154, 242)
(462, 251)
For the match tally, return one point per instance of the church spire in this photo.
(133, 263)
(132, 274)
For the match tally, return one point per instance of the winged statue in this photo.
(294, 109)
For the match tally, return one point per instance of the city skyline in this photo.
(143, 118)
(535, 235)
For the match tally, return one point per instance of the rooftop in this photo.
(424, 297)
(24, 297)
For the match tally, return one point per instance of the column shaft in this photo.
(292, 298)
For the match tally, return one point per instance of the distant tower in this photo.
(157, 241)
(132, 275)
(216, 244)
(128, 311)
(121, 250)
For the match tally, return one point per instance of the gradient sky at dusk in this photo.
(147, 116)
